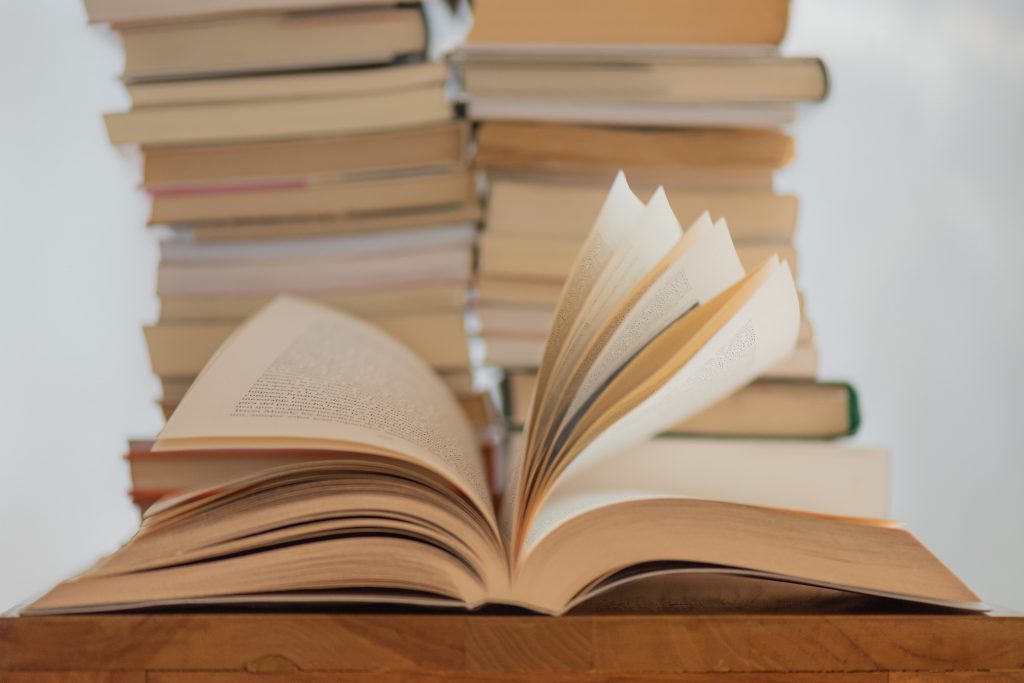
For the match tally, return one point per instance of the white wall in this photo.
(911, 242)
(909, 237)
(76, 280)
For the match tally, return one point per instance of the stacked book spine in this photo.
(691, 95)
(311, 152)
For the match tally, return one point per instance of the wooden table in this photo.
(316, 647)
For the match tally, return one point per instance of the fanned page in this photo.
(700, 266)
(667, 328)
(299, 375)
(621, 208)
(694, 363)
(653, 235)
(760, 333)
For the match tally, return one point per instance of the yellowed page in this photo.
(571, 375)
(786, 545)
(301, 374)
(618, 214)
(655, 234)
(844, 482)
(705, 269)
(762, 332)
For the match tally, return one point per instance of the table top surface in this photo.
(392, 645)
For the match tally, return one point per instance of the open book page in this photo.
(654, 234)
(754, 337)
(332, 564)
(790, 546)
(301, 375)
(651, 238)
(618, 214)
(706, 266)
(809, 481)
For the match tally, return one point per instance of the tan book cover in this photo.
(182, 349)
(559, 209)
(250, 88)
(657, 22)
(533, 257)
(372, 194)
(266, 42)
(368, 272)
(133, 11)
(192, 124)
(366, 304)
(333, 225)
(225, 166)
(519, 145)
(666, 77)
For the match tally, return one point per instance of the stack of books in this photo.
(311, 151)
(690, 95)
(328, 462)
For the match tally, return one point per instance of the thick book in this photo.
(261, 43)
(329, 265)
(292, 163)
(777, 409)
(309, 198)
(182, 349)
(640, 22)
(279, 119)
(388, 500)
(319, 83)
(653, 114)
(421, 298)
(394, 269)
(182, 249)
(666, 77)
(500, 291)
(301, 227)
(135, 11)
(538, 257)
(729, 157)
(559, 210)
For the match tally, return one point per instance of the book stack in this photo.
(690, 95)
(311, 151)
(328, 461)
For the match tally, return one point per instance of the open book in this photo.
(378, 494)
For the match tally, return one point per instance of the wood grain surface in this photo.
(424, 648)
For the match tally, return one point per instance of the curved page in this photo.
(655, 234)
(301, 375)
(619, 212)
(704, 270)
(758, 335)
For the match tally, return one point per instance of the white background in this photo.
(911, 240)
